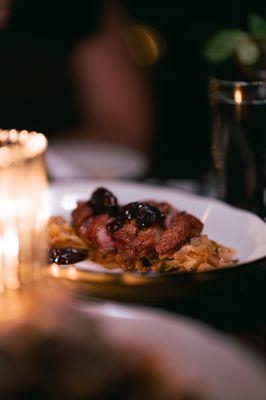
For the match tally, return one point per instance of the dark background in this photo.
(36, 86)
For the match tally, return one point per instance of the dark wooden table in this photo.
(240, 311)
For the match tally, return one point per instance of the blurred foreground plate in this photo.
(218, 366)
(90, 159)
(227, 225)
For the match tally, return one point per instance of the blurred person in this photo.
(5, 11)
(114, 94)
(65, 65)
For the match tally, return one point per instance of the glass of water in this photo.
(238, 141)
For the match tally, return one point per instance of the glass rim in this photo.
(227, 82)
(20, 146)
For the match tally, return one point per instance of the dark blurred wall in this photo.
(183, 135)
(36, 91)
(35, 82)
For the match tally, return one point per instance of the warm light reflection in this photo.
(69, 202)
(23, 211)
(10, 249)
(1, 265)
(24, 135)
(145, 43)
(10, 243)
(17, 146)
(238, 95)
(206, 214)
(72, 272)
(13, 135)
(55, 270)
(35, 145)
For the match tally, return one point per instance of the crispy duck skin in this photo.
(132, 243)
(182, 228)
(146, 241)
(124, 239)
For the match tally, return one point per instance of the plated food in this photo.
(141, 235)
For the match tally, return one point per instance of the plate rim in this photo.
(135, 278)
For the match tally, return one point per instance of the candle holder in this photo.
(23, 215)
(238, 141)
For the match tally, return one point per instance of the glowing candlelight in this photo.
(23, 212)
(238, 98)
(238, 95)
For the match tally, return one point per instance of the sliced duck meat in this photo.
(81, 213)
(93, 231)
(133, 243)
(182, 227)
(146, 241)
(102, 201)
(136, 230)
(125, 238)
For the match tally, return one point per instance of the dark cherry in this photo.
(115, 224)
(147, 216)
(103, 201)
(66, 256)
(130, 211)
(144, 214)
(126, 213)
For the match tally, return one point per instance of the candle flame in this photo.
(238, 96)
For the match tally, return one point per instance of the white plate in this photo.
(87, 158)
(227, 225)
(217, 364)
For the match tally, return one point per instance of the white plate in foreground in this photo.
(227, 225)
(186, 349)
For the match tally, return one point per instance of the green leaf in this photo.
(247, 51)
(220, 46)
(226, 43)
(257, 26)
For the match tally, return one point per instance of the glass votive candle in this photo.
(239, 142)
(23, 215)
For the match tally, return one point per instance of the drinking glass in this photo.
(23, 215)
(238, 141)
